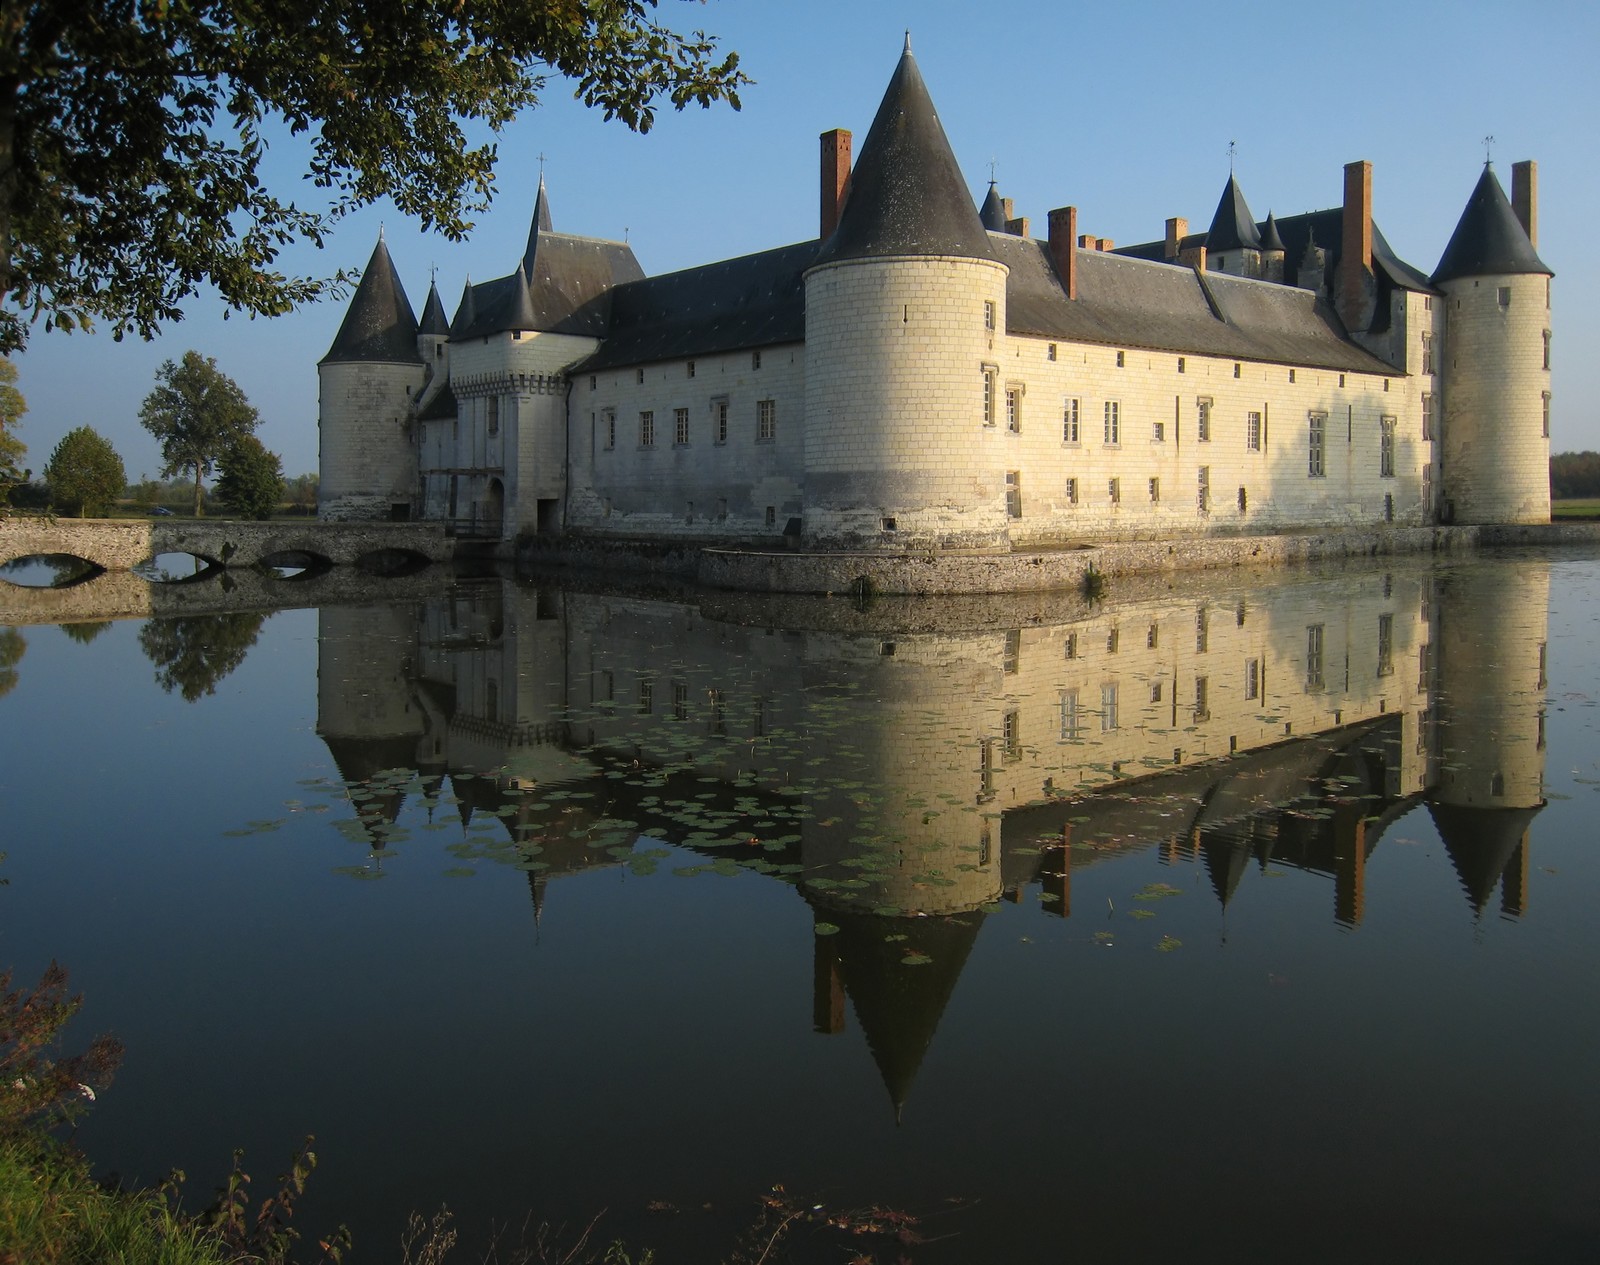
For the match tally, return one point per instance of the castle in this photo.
(926, 374)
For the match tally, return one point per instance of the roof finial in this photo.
(992, 165)
(1488, 150)
(541, 159)
(1233, 148)
(380, 230)
(908, 41)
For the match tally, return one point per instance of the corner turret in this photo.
(1233, 243)
(1273, 251)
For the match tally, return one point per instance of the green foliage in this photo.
(252, 479)
(193, 653)
(12, 648)
(84, 473)
(1575, 474)
(12, 449)
(197, 414)
(131, 134)
(302, 490)
(1093, 584)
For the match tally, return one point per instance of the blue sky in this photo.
(1126, 112)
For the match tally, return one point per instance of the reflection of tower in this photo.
(1493, 619)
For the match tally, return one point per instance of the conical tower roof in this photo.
(1481, 843)
(541, 224)
(907, 195)
(1489, 240)
(992, 213)
(380, 326)
(434, 321)
(1232, 227)
(466, 310)
(521, 314)
(1270, 237)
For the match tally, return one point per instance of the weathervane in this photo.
(992, 165)
(1488, 150)
(540, 157)
(1233, 148)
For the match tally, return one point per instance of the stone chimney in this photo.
(1354, 288)
(1177, 230)
(1525, 198)
(835, 179)
(1193, 257)
(1063, 232)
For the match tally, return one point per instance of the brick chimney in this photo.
(1063, 232)
(1193, 257)
(1177, 230)
(1353, 287)
(1018, 227)
(835, 178)
(1525, 198)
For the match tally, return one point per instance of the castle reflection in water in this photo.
(917, 762)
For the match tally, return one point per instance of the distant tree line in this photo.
(1574, 474)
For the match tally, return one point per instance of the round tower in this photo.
(1496, 375)
(367, 381)
(905, 312)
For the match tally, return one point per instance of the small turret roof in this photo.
(993, 212)
(466, 311)
(1270, 237)
(1232, 227)
(907, 195)
(380, 326)
(1489, 239)
(541, 224)
(434, 321)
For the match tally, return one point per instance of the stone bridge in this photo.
(121, 544)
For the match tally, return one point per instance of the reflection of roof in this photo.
(1489, 239)
(380, 325)
(1481, 843)
(907, 195)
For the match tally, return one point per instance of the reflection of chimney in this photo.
(1055, 875)
(1355, 255)
(1177, 230)
(835, 178)
(827, 988)
(1525, 198)
(1063, 247)
(1350, 867)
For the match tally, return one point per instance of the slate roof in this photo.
(907, 195)
(992, 214)
(1131, 302)
(1270, 240)
(434, 320)
(752, 301)
(1233, 227)
(1489, 239)
(565, 292)
(1481, 843)
(380, 326)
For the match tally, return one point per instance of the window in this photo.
(1252, 431)
(647, 428)
(1072, 491)
(1070, 646)
(1152, 637)
(1108, 707)
(647, 695)
(1236, 368)
(719, 419)
(755, 360)
(1427, 353)
(639, 376)
(1202, 631)
(988, 395)
(1291, 377)
(1386, 644)
(1183, 365)
(1427, 417)
(1427, 488)
(772, 516)
(1316, 436)
(1202, 428)
(1013, 652)
(1050, 352)
(594, 381)
(1113, 639)
(1202, 699)
(1114, 491)
(1386, 447)
(1122, 359)
(680, 426)
(1547, 349)
(1071, 717)
(1314, 657)
(766, 421)
(1203, 493)
(1069, 421)
(1244, 500)
(1158, 432)
(1013, 494)
(988, 315)
(1503, 296)
(1155, 691)
(1113, 422)
(1252, 678)
(494, 414)
(680, 701)
(1546, 403)
(1011, 736)
(608, 427)
(1155, 491)
(1014, 409)
(690, 368)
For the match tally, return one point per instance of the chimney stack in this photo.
(1063, 232)
(1193, 257)
(1525, 198)
(835, 178)
(1177, 230)
(1353, 288)
(1017, 227)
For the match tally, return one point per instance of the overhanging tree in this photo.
(12, 449)
(131, 132)
(252, 479)
(197, 413)
(84, 473)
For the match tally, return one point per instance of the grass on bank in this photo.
(1577, 509)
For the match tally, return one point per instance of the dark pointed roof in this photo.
(1489, 239)
(1232, 227)
(466, 311)
(1481, 843)
(541, 224)
(1270, 238)
(907, 195)
(434, 321)
(380, 325)
(993, 211)
(520, 313)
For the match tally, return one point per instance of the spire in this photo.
(434, 320)
(1489, 239)
(1232, 227)
(380, 325)
(466, 310)
(993, 212)
(521, 314)
(1270, 238)
(907, 195)
(541, 224)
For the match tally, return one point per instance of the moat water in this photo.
(1250, 918)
